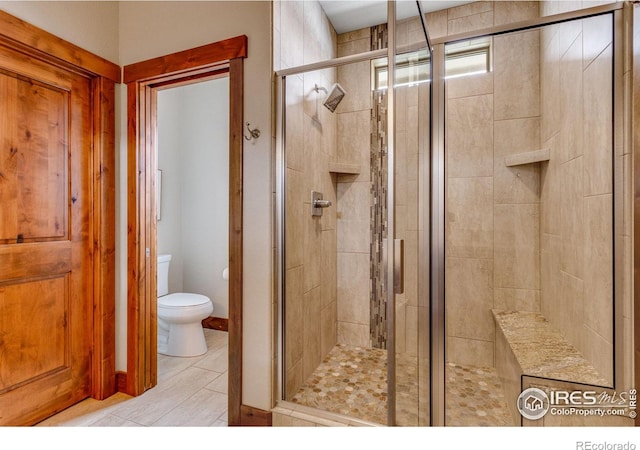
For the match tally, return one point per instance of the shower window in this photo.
(471, 57)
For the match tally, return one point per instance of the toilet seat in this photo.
(182, 300)
(180, 324)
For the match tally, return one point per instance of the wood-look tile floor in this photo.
(191, 392)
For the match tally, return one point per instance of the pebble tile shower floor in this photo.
(352, 381)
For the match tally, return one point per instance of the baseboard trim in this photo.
(254, 417)
(216, 323)
(121, 382)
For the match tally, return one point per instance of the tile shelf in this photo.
(344, 169)
(527, 157)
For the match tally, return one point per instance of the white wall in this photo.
(127, 32)
(151, 29)
(193, 154)
(92, 25)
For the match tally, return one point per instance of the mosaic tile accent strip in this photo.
(378, 222)
(378, 201)
(353, 381)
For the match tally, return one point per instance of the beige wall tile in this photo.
(568, 32)
(470, 23)
(551, 190)
(511, 12)
(571, 101)
(411, 330)
(437, 23)
(400, 324)
(520, 184)
(355, 79)
(598, 34)
(329, 268)
(353, 287)
(313, 32)
(409, 31)
(517, 246)
(516, 136)
(291, 19)
(294, 379)
(571, 311)
(353, 236)
(294, 126)
(469, 287)
(550, 84)
(354, 334)
(598, 264)
(516, 299)
(517, 75)
(294, 317)
(294, 237)
(469, 9)
(469, 136)
(598, 126)
(469, 86)
(329, 327)
(362, 33)
(411, 278)
(599, 351)
(312, 252)
(510, 373)
(572, 217)
(354, 46)
(550, 277)
(354, 141)
(353, 209)
(312, 341)
(469, 217)
(470, 352)
(627, 194)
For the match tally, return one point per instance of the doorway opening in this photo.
(220, 60)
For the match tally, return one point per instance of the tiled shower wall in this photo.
(577, 194)
(353, 191)
(360, 314)
(303, 34)
(492, 211)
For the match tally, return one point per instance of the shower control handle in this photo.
(318, 203)
(322, 203)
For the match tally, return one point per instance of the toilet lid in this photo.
(181, 300)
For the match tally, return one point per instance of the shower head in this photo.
(334, 97)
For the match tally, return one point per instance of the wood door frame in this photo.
(143, 79)
(21, 36)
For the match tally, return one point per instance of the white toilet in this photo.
(180, 317)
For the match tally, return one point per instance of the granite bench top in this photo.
(541, 351)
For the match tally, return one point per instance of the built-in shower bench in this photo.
(528, 345)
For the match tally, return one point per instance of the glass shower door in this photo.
(408, 191)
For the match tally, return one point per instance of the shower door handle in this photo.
(398, 266)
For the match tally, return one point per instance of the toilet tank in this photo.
(163, 274)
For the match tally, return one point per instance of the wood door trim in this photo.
(196, 58)
(39, 44)
(19, 34)
(144, 79)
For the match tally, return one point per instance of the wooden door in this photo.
(46, 273)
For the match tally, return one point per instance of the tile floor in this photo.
(352, 381)
(190, 392)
